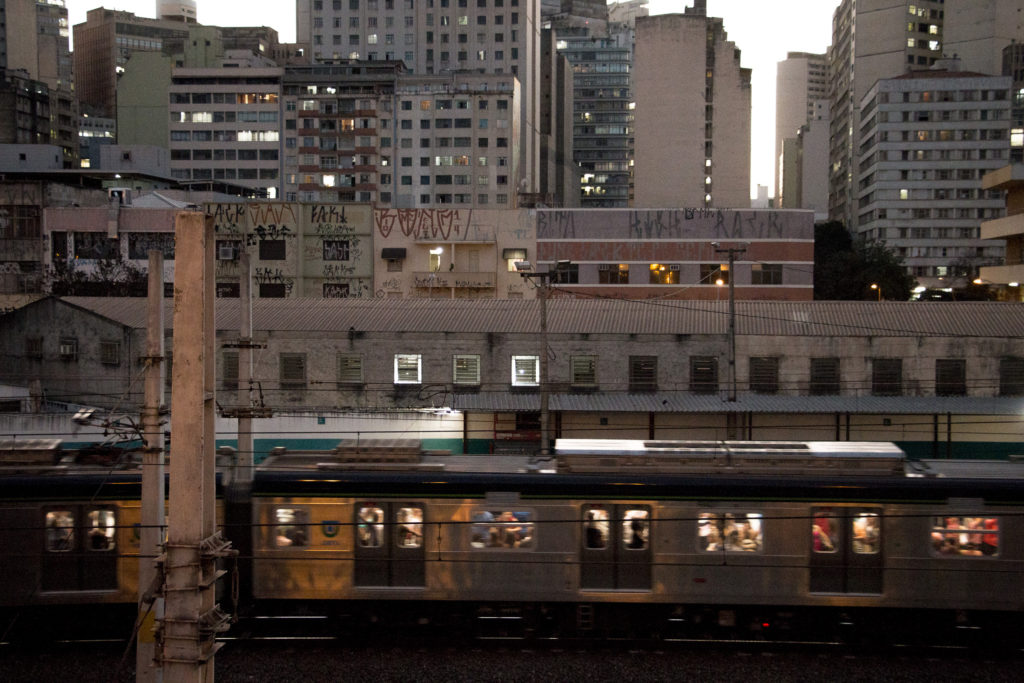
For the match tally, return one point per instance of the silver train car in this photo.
(604, 538)
(609, 537)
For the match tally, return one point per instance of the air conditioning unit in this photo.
(227, 252)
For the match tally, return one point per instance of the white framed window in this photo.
(408, 368)
(525, 371)
(466, 369)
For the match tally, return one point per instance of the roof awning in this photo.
(392, 253)
(518, 254)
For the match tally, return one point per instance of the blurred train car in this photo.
(605, 539)
(625, 537)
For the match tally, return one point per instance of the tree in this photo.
(845, 267)
(112, 277)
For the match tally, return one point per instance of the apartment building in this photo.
(440, 37)
(693, 109)
(927, 139)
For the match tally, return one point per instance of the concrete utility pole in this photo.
(191, 619)
(245, 439)
(151, 605)
(544, 286)
(732, 252)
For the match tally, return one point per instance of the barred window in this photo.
(703, 374)
(825, 377)
(293, 369)
(583, 370)
(466, 369)
(229, 370)
(886, 377)
(350, 368)
(110, 352)
(1011, 376)
(34, 347)
(950, 377)
(764, 375)
(69, 348)
(643, 373)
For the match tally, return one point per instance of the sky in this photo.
(763, 30)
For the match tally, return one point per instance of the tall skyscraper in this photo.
(439, 37)
(801, 82)
(871, 39)
(692, 114)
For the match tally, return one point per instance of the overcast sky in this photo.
(763, 30)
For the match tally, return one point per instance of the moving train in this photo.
(604, 538)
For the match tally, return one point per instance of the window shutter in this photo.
(466, 370)
(584, 371)
(350, 368)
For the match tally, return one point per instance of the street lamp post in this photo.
(544, 279)
(877, 287)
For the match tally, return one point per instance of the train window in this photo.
(965, 536)
(101, 529)
(595, 528)
(291, 527)
(733, 532)
(824, 531)
(60, 531)
(636, 528)
(865, 533)
(410, 527)
(502, 529)
(370, 527)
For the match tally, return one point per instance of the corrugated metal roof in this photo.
(681, 402)
(584, 316)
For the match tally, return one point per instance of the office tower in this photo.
(601, 55)
(871, 39)
(976, 31)
(927, 138)
(441, 37)
(800, 85)
(692, 119)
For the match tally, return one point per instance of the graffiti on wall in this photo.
(140, 244)
(273, 276)
(437, 224)
(682, 223)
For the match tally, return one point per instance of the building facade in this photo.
(1008, 275)
(940, 380)
(871, 39)
(927, 139)
(800, 86)
(690, 151)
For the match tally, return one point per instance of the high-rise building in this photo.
(976, 31)
(800, 84)
(103, 44)
(441, 37)
(601, 57)
(927, 138)
(871, 39)
(35, 42)
(693, 109)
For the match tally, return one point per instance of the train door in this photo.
(846, 550)
(615, 547)
(389, 544)
(79, 548)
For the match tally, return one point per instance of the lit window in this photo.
(525, 371)
(408, 368)
(965, 536)
(732, 532)
(494, 529)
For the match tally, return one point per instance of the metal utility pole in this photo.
(192, 619)
(151, 604)
(732, 252)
